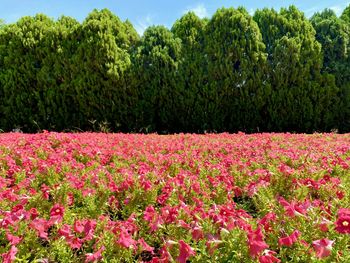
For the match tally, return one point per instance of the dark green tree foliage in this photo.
(236, 59)
(192, 76)
(99, 70)
(301, 98)
(57, 100)
(23, 50)
(345, 16)
(333, 34)
(156, 62)
(277, 71)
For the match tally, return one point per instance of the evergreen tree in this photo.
(236, 60)
(156, 69)
(22, 52)
(302, 99)
(192, 74)
(99, 69)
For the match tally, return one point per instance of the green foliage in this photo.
(297, 101)
(192, 76)
(156, 64)
(236, 55)
(275, 71)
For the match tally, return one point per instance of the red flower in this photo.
(269, 257)
(33, 213)
(323, 247)
(342, 225)
(289, 240)
(79, 226)
(10, 256)
(95, 256)
(126, 240)
(41, 226)
(56, 213)
(14, 240)
(185, 252)
(256, 243)
(144, 246)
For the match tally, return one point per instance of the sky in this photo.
(144, 13)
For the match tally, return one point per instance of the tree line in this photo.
(271, 71)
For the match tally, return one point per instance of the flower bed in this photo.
(186, 198)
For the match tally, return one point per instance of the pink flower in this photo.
(125, 240)
(197, 233)
(56, 213)
(33, 213)
(79, 226)
(10, 256)
(292, 209)
(256, 242)
(289, 240)
(268, 257)
(14, 240)
(89, 229)
(95, 256)
(185, 252)
(74, 242)
(323, 247)
(342, 225)
(324, 225)
(65, 231)
(41, 226)
(144, 246)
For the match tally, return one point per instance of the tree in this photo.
(332, 33)
(22, 52)
(236, 60)
(192, 78)
(156, 62)
(295, 61)
(100, 66)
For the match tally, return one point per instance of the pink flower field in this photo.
(95, 197)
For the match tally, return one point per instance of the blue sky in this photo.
(150, 12)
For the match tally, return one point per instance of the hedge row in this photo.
(273, 71)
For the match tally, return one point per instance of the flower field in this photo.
(94, 197)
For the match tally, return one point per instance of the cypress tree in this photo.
(156, 69)
(236, 59)
(297, 102)
(192, 77)
(99, 69)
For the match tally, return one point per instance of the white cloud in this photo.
(251, 11)
(199, 10)
(143, 23)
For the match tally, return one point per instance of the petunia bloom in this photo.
(288, 241)
(185, 252)
(323, 247)
(93, 257)
(342, 225)
(256, 242)
(268, 257)
(10, 256)
(56, 213)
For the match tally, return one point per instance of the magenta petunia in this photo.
(288, 241)
(185, 252)
(323, 247)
